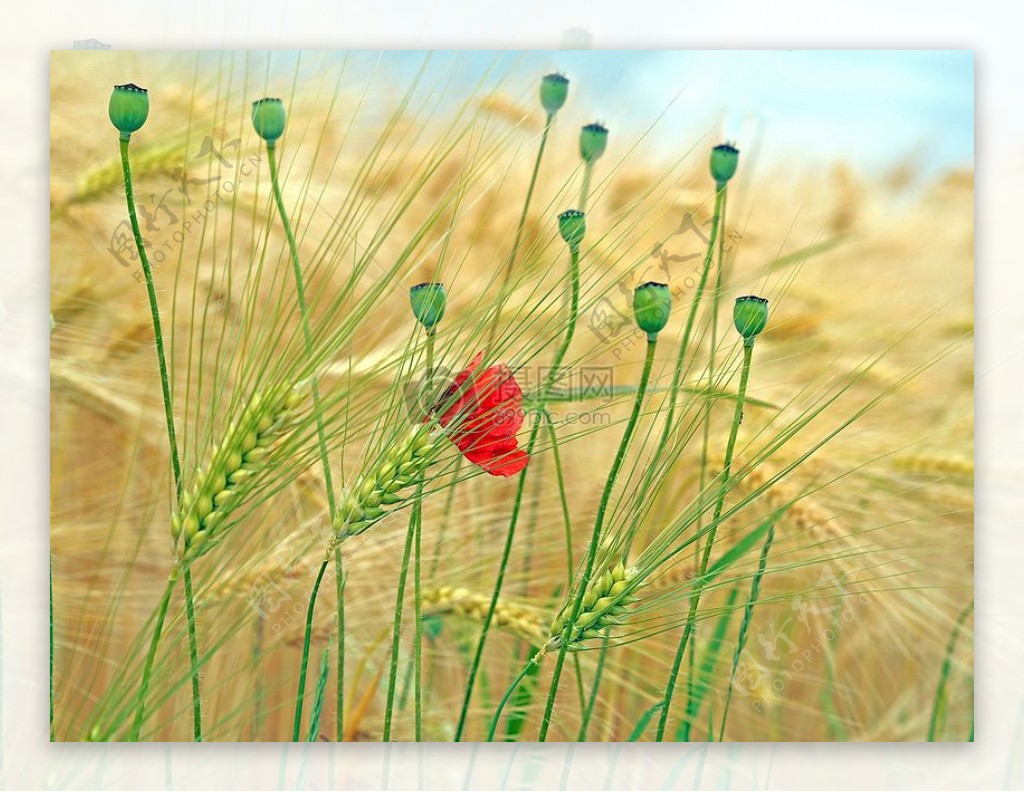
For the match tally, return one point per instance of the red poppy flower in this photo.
(485, 411)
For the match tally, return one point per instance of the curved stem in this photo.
(588, 172)
(339, 588)
(563, 499)
(510, 263)
(307, 336)
(598, 672)
(304, 663)
(165, 386)
(193, 656)
(691, 316)
(417, 527)
(709, 398)
(300, 296)
(147, 668)
(748, 349)
(652, 342)
(574, 299)
(396, 634)
(748, 612)
(535, 660)
(154, 311)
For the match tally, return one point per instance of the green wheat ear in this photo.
(382, 487)
(204, 511)
(605, 602)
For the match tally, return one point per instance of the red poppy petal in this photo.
(507, 464)
(464, 394)
(485, 444)
(501, 398)
(489, 412)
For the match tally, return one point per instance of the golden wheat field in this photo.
(819, 565)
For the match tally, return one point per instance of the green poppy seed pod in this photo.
(593, 141)
(428, 303)
(554, 88)
(652, 303)
(750, 315)
(129, 108)
(268, 118)
(724, 159)
(572, 225)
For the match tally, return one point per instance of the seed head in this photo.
(724, 160)
(129, 108)
(593, 141)
(428, 302)
(554, 88)
(750, 315)
(268, 117)
(652, 303)
(572, 225)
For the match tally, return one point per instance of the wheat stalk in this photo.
(605, 602)
(380, 488)
(930, 465)
(160, 159)
(520, 620)
(205, 508)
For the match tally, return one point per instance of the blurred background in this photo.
(852, 211)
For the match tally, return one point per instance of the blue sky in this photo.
(871, 108)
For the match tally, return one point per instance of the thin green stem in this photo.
(318, 696)
(172, 442)
(510, 262)
(52, 735)
(417, 526)
(396, 634)
(535, 660)
(677, 374)
(307, 336)
(478, 653)
(154, 310)
(304, 663)
(449, 501)
(748, 613)
(599, 671)
(709, 397)
(193, 656)
(574, 298)
(748, 349)
(339, 588)
(652, 342)
(939, 704)
(570, 565)
(147, 668)
(588, 173)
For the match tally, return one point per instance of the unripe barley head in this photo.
(203, 511)
(605, 602)
(381, 487)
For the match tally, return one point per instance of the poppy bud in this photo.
(572, 224)
(268, 118)
(129, 108)
(554, 88)
(652, 303)
(724, 159)
(750, 315)
(428, 303)
(593, 141)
